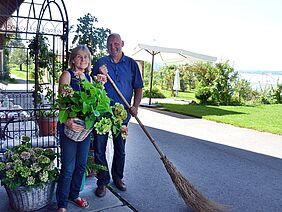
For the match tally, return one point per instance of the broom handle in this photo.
(137, 119)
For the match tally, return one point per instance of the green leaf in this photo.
(63, 116)
(89, 123)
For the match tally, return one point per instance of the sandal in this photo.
(82, 203)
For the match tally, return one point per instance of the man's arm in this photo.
(136, 101)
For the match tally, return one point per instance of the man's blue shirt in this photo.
(125, 74)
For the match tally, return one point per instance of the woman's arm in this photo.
(65, 78)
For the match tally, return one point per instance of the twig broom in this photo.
(193, 198)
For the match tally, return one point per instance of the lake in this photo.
(263, 80)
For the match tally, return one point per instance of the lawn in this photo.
(266, 118)
(187, 95)
(14, 70)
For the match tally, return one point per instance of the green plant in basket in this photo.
(91, 105)
(93, 168)
(26, 166)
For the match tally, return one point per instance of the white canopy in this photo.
(169, 55)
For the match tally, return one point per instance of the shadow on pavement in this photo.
(242, 180)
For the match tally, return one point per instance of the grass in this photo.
(20, 74)
(188, 95)
(266, 118)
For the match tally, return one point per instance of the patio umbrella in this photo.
(167, 55)
(176, 82)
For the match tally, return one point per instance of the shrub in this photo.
(156, 93)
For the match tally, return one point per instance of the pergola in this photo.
(23, 22)
(26, 19)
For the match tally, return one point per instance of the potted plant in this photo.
(90, 106)
(28, 175)
(47, 113)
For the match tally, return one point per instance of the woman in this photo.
(73, 154)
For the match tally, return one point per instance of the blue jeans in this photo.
(100, 144)
(74, 157)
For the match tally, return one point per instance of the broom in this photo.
(193, 198)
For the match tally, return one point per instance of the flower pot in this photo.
(47, 126)
(23, 199)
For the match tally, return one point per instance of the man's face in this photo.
(114, 46)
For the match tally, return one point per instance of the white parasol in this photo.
(176, 82)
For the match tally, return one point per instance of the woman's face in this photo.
(81, 60)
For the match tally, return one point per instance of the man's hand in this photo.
(103, 70)
(102, 78)
(124, 131)
(133, 111)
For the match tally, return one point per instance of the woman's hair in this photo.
(74, 53)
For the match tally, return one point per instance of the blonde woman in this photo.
(73, 154)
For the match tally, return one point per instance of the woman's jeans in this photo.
(100, 144)
(74, 157)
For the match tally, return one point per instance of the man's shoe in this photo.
(120, 185)
(100, 191)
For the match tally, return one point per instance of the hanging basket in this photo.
(77, 136)
(23, 199)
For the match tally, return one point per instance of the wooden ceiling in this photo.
(7, 8)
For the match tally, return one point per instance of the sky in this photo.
(247, 33)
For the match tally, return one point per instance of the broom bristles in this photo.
(193, 198)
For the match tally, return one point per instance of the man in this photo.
(126, 74)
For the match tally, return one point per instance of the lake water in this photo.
(261, 81)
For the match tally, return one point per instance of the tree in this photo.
(45, 56)
(93, 37)
(147, 73)
(224, 83)
(18, 57)
(187, 77)
(243, 91)
(215, 83)
(204, 80)
(167, 76)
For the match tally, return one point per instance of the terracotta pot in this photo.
(47, 126)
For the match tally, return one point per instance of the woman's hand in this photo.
(79, 74)
(74, 126)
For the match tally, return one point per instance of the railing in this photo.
(18, 118)
(22, 98)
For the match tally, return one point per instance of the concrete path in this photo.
(242, 138)
(237, 167)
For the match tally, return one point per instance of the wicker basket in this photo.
(23, 199)
(77, 136)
